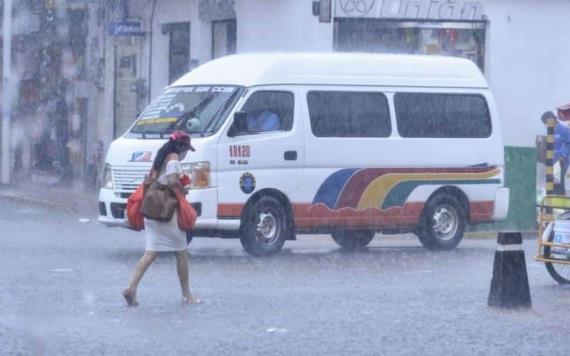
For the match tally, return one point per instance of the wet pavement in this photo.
(61, 281)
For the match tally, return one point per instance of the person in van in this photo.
(165, 236)
(263, 121)
(561, 150)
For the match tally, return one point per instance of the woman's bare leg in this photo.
(182, 269)
(142, 265)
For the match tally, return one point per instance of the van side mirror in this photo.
(239, 124)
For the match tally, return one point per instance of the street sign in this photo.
(125, 28)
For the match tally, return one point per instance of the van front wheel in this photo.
(442, 223)
(265, 228)
(353, 240)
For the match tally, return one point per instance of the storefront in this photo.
(518, 44)
(461, 39)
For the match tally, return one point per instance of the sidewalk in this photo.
(71, 199)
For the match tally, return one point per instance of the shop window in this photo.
(460, 39)
(349, 114)
(77, 20)
(224, 35)
(179, 50)
(442, 115)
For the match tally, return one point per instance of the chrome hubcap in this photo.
(267, 228)
(445, 222)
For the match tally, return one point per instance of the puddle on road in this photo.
(29, 211)
(276, 330)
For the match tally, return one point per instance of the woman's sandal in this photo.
(130, 298)
(191, 300)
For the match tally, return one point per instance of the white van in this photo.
(346, 144)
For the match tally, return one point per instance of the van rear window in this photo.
(349, 114)
(433, 115)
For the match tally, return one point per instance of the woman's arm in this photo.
(173, 178)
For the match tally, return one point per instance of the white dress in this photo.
(165, 236)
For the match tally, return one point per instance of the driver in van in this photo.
(561, 149)
(263, 121)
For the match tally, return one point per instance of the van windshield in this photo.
(194, 109)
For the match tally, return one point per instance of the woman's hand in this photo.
(180, 187)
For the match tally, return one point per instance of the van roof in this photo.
(337, 69)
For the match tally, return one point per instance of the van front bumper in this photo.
(207, 199)
(111, 208)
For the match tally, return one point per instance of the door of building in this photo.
(128, 96)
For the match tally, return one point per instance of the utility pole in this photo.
(6, 91)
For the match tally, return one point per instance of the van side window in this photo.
(349, 114)
(433, 115)
(269, 111)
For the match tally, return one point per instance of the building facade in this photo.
(49, 126)
(148, 45)
(516, 43)
(115, 56)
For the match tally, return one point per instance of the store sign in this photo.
(125, 28)
(465, 10)
(213, 10)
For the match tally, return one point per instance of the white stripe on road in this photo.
(502, 248)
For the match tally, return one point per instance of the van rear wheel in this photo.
(442, 224)
(353, 239)
(265, 227)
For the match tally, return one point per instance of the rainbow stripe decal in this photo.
(381, 188)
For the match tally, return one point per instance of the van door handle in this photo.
(290, 155)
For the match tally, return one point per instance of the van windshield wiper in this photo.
(192, 113)
(184, 116)
(216, 116)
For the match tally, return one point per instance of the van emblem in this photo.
(247, 183)
(141, 156)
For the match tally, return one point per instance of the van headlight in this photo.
(199, 173)
(107, 181)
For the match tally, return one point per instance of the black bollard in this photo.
(509, 286)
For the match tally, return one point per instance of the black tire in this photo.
(352, 240)
(265, 228)
(442, 223)
(189, 237)
(559, 272)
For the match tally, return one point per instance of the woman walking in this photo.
(165, 236)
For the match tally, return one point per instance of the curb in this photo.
(47, 203)
(69, 199)
(492, 235)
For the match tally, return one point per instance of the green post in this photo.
(520, 178)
